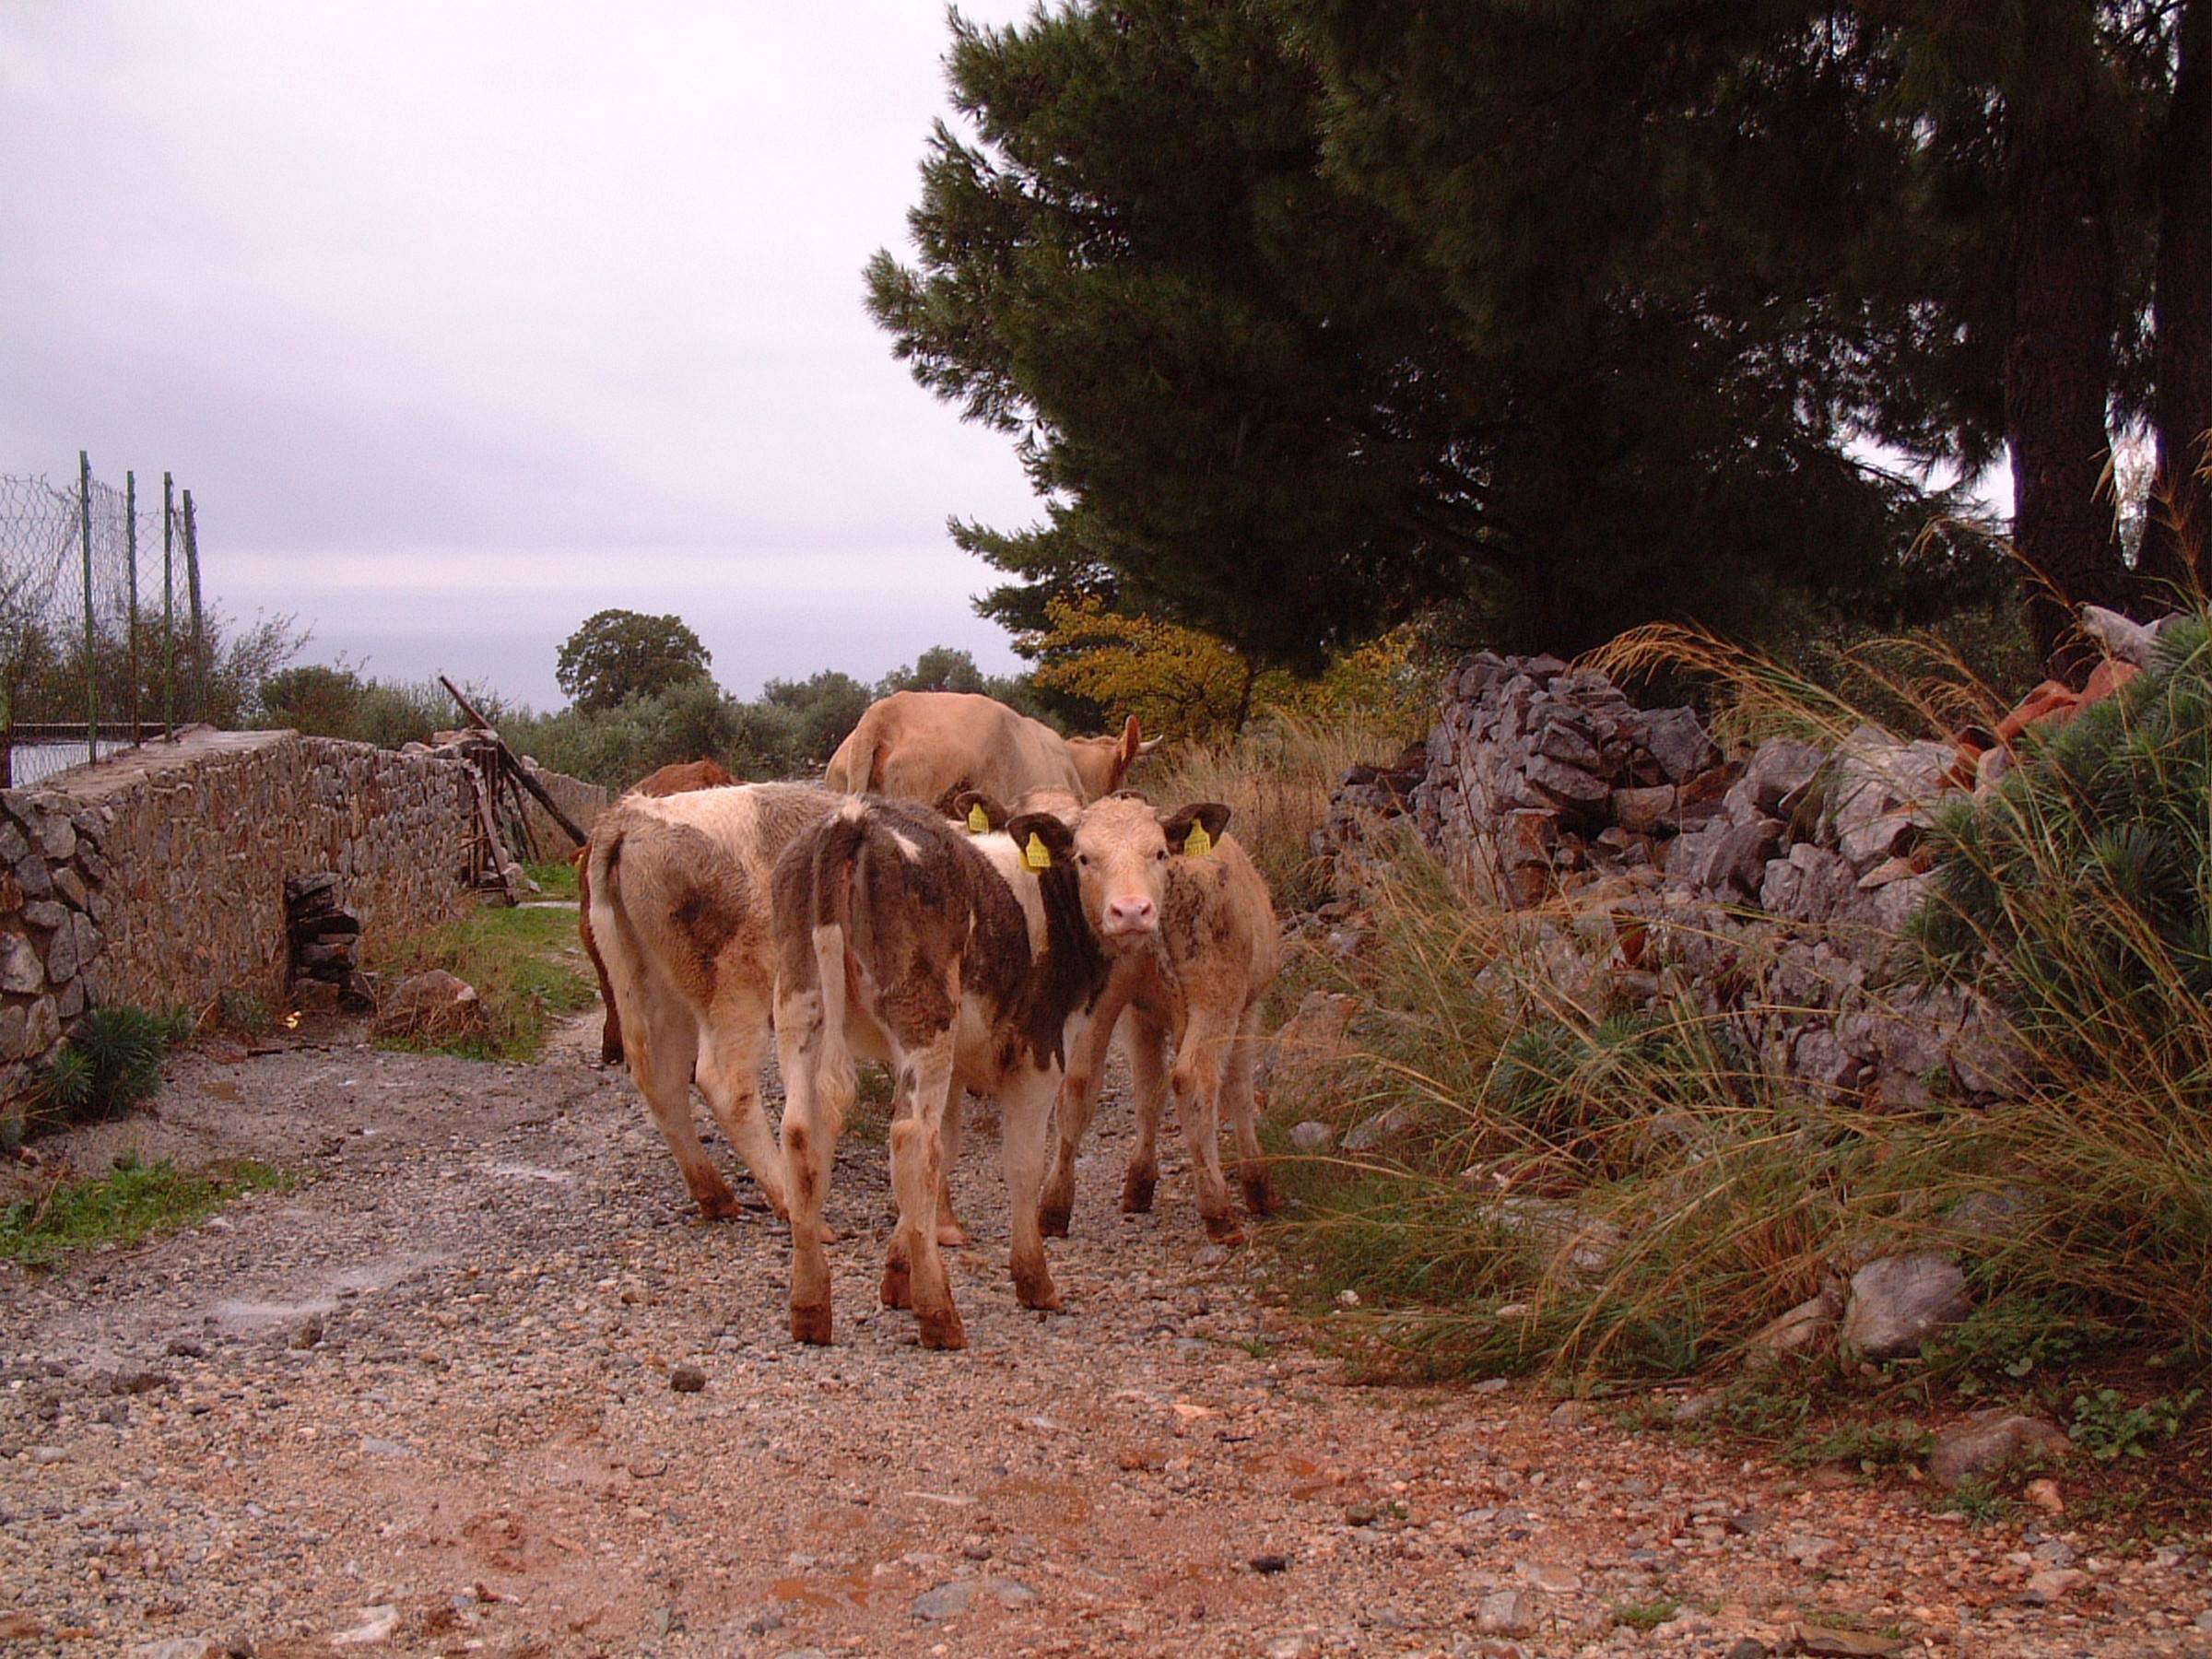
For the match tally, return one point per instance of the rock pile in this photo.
(1769, 890)
(326, 943)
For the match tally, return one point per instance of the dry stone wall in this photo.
(1771, 891)
(158, 879)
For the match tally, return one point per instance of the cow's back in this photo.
(925, 746)
(695, 872)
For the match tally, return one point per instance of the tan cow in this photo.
(680, 908)
(927, 746)
(680, 778)
(962, 962)
(1188, 1007)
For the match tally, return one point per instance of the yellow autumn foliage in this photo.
(1192, 686)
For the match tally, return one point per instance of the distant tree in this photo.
(940, 668)
(822, 709)
(618, 654)
(318, 699)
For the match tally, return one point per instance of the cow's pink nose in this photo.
(1130, 915)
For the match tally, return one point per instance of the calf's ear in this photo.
(1044, 841)
(982, 813)
(1208, 818)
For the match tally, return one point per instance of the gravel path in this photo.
(481, 1383)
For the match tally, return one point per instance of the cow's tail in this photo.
(836, 859)
(622, 953)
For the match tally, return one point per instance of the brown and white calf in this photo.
(681, 909)
(1188, 1006)
(678, 778)
(960, 961)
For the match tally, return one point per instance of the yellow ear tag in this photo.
(979, 821)
(1035, 855)
(1198, 843)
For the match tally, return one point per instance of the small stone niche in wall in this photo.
(325, 949)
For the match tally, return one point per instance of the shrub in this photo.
(112, 1063)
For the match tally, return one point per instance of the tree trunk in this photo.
(2177, 542)
(2058, 357)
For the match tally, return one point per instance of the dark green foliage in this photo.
(113, 1062)
(2086, 877)
(618, 654)
(1504, 307)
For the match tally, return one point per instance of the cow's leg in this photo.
(951, 1233)
(1197, 1086)
(813, 1107)
(1237, 1101)
(663, 1041)
(1146, 1045)
(730, 1051)
(1078, 1099)
(1025, 1118)
(917, 1167)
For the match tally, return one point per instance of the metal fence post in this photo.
(169, 607)
(84, 526)
(130, 542)
(199, 631)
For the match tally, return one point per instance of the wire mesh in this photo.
(100, 640)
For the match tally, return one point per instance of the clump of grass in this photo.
(1275, 778)
(527, 965)
(1646, 1615)
(112, 1063)
(122, 1208)
(1980, 1501)
(556, 878)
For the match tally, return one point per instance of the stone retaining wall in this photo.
(158, 878)
(1770, 892)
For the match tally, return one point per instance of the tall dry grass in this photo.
(1561, 1185)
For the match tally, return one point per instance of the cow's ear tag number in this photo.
(1198, 843)
(979, 821)
(1035, 855)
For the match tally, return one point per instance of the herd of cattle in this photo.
(907, 913)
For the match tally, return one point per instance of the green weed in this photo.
(123, 1206)
(528, 968)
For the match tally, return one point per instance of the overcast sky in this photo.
(465, 320)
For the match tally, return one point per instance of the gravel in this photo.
(547, 1412)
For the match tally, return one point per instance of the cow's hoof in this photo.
(951, 1235)
(811, 1324)
(1223, 1229)
(1040, 1294)
(897, 1287)
(943, 1330)
(1259, 1194)
(721, 1206)
(1052, 1220)
(1136, 1194)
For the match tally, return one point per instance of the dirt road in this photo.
(426, 1401)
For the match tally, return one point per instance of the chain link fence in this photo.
(102, 639)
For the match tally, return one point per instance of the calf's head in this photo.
(1103, 762)
(1120, 850)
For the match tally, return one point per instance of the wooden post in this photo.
(522, 773)
(169, 606)
(84, 527)
(199, 631)
(130, 533)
